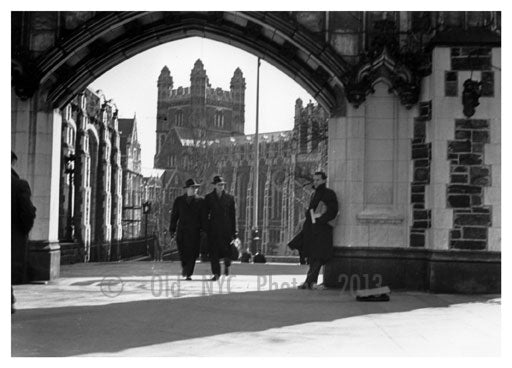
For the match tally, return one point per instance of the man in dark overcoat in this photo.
(187, 223)
(317, 236)
(23, 214)
(221, 228)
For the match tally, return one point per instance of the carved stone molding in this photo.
(24, 78)
(401, 79)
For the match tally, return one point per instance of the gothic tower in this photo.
(165, 85)
(238, 95)
(198, 84)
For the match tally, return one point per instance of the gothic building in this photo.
(200, 133)
(101, 179)
(91, 196)
(195, 113)
(132, 178)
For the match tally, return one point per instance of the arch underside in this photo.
(72, 66)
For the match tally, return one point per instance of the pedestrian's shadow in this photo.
(115, 327)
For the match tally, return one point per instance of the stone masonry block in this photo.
(471, 124)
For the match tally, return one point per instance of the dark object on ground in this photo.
(373, 298)
(380, 294)
(259, 258)
(246, 257)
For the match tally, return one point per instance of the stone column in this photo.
(248, 209)
(82, 179)
(345, 174)
(104, 186)
(36, 140)
(266, 200)
(117, 199)
(291, 199)
(369, 159)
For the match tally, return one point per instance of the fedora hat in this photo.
(191, 183)
(218, 180)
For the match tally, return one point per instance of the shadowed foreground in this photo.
(141, 316)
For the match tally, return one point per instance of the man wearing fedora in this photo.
(187, 223)
(317, 229)
(221, 226)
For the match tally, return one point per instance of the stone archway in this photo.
(345, 68)
(111, 38)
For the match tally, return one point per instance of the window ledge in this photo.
(380, 216)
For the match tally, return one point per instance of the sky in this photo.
(132, 86)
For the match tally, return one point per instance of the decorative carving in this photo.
(401, 68)
(407, 91)
(385, 37)
(24, 78)
(470, 95)
(402, 80)
(357, 91)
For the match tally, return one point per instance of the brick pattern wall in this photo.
(421, 157)
(468, 177)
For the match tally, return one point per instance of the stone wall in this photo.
(421, 158)
(468, 177)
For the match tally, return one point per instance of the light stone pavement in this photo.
(145, 309)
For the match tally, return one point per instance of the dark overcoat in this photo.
(221, 222)
(23, 214)
(187, 221)
(317, 237)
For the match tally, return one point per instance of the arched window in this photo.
(179, 118)
(218, 121)
(162, 139)
(172, 161)
(315, 135)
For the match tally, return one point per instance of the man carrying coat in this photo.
(23, 214)
(221, 228)
(187, 223)
(317, 231)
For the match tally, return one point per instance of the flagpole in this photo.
(256, 235)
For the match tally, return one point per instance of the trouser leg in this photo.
(214, 261)
(227, 263)
(314, 270)
(191, 264)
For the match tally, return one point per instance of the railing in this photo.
(115, 251)
(131, 248)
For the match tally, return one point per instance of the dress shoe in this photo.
(304, 286)
(214, 278)
(188, 278)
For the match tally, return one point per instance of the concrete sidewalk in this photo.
(144, 309)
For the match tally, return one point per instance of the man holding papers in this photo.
(317, 231)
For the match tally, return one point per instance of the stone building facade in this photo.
(90, 211)
(200, 133)
(132, 178)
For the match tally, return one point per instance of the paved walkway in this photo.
(144, 309)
